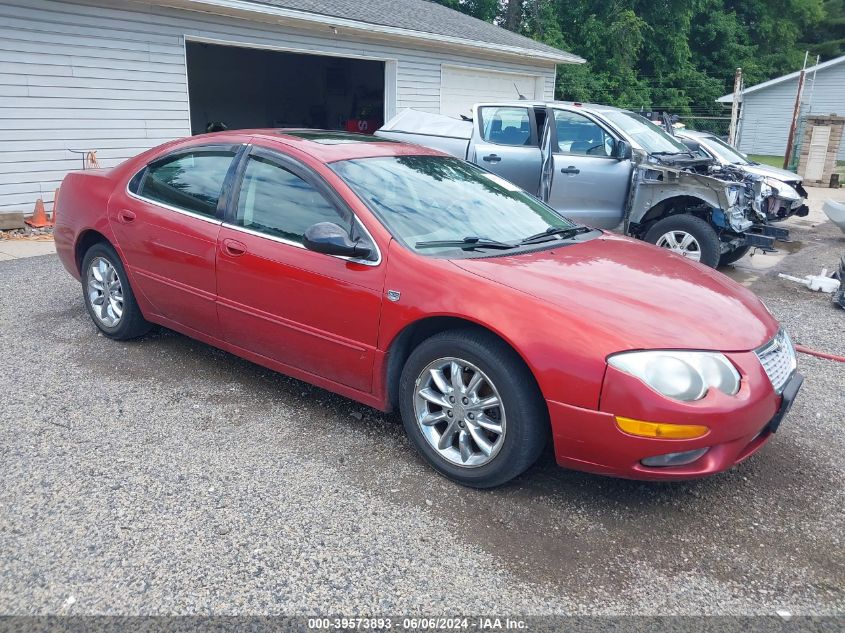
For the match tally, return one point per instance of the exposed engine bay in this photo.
(740, 204)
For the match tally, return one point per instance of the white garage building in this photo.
(119, 77)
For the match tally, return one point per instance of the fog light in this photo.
(663, 431)
(674, 459)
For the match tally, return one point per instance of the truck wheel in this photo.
(688, 236)
(732, 256)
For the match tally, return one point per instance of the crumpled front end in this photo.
(770, 198)
(653, 184)
(778, 200)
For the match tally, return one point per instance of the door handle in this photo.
(126, 216)
(233, 247)
(572, 169)
(491, 158)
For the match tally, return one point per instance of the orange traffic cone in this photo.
(39, 217)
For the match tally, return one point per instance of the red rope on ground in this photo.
(812, 352)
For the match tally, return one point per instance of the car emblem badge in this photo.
(393, 295)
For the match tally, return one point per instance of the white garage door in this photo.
(460, 88)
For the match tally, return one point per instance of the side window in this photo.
(576, 134)
(505, 125)
(277, 202)
(192, 182)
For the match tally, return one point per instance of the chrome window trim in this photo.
(190, 214)
(282, 240)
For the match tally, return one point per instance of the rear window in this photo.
(189, 181)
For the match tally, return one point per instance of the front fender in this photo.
(566, 367)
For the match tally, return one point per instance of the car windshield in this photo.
(652, 138)
(725, 152)
(425, 199)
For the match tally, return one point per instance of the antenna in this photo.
(521, 96)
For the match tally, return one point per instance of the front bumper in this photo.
(739, 425)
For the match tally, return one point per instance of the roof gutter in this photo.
(285, 15)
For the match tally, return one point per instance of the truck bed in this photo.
(430, 130)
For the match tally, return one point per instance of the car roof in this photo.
(694, 133)
(328, 145)
(596, 107)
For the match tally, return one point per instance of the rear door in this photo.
(166, 224)
(311, 312)
(506, 142)
(581, 178)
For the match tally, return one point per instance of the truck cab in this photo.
(604, 167)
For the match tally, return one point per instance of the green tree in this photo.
(675, 55)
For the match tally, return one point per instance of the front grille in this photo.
(778, 359)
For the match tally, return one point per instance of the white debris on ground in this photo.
(818, 283)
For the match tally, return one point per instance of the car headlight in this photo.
(680, 375)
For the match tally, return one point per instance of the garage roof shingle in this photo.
(424, 17)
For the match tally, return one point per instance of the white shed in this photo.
(119, 77)
(767, 107)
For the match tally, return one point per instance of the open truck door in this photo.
(506, 142)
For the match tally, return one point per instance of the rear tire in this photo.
(733, 256)
(108, 296)
(465, 440)
(687, 235)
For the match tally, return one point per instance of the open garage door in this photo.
(243, 87)
(460, 88)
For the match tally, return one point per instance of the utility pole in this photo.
(735, 106)
(795, 112)
(813, 86)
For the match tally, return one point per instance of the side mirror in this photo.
(622, 150)
(331, 239)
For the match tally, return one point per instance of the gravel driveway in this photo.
(164, 476)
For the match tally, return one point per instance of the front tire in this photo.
(108, 296)
(687, 235)
(472, 409)
(733, 256)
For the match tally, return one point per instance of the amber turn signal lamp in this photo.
(660, 430)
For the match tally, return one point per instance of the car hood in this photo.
(771, 172)
(634, 296)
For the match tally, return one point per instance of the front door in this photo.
(506, 143)
(167, 224)
(581, 178)
(312, 312)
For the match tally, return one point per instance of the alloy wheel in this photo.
(682, 243)
(459, 412)
(105, 294)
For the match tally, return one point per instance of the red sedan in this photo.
(400, 277)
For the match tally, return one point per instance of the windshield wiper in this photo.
(468, 243)
(553, 231)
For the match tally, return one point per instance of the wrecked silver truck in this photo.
(608, 168)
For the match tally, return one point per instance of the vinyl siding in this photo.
(767, 113)
(111, 76)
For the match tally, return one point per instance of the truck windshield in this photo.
(426, 200)
(652, 138)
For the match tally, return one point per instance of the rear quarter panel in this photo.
(83, 202)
